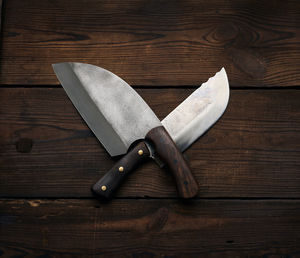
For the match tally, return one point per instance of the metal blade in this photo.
(199, 111)
(116, 114)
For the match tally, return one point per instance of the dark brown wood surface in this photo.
(154, 42)
(0, 15)
(253, 151)
(152, 228)
(247, 165)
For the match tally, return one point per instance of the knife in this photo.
(193, 117)
(119, 117)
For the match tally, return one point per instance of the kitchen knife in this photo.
(118, 116)
(193, 117)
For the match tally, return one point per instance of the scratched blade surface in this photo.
(112, 109)
(197, 113)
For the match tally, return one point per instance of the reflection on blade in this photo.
(199, 111)
(114, 111)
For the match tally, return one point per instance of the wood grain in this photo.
(0, 15)
(253, 151)
(247, 165)
(150, 228)
(154, 42)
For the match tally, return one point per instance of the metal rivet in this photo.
(140, 152)
(103, 188)
(121, 169)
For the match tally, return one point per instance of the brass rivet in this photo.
(121, 169)
(103, 188)
(140, 152)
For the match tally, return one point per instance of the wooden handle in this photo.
(109, 183)
(168, 152)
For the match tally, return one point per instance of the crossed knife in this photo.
(125, 124)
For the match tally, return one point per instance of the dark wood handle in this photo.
(169, 153)
(109, 183)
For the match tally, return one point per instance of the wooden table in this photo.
(247, 165)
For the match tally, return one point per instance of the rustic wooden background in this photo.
(247, 165)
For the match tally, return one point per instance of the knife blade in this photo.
(187, 122)
(118, 116)
(198, 112)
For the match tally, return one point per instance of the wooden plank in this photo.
(0, 15)
(154, 42)
(253, 151)
(150, 228)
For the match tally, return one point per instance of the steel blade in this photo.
(116, 114)
(197, 113)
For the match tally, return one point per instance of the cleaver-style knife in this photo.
(187, 122)
(120, 118)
